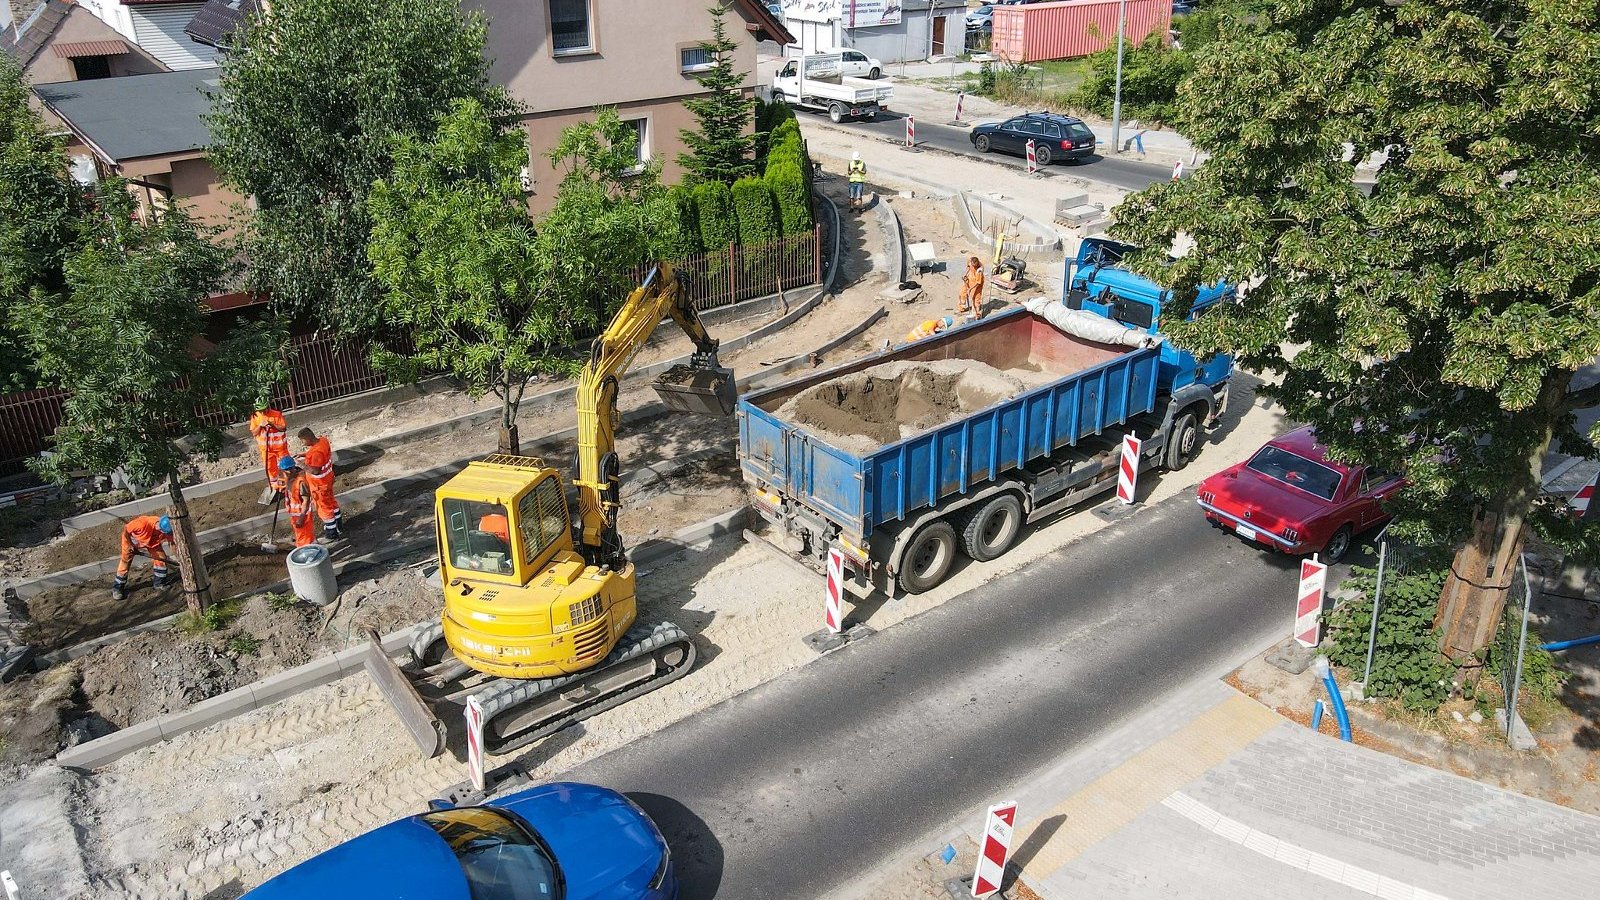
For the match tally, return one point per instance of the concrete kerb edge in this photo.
(105, 750)
(648, 411)
(970, 225)
(896, 244)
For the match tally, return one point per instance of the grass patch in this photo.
(282, 602)
(244, 644)
(216, 617)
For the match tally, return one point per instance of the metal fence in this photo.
(321, 370)
(1511, 641)
(737, 273)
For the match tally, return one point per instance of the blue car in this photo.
(561, 841)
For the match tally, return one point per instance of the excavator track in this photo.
(517, 712)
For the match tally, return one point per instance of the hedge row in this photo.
(788, 171)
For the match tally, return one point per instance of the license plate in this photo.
(855, 112)
(1248, 533)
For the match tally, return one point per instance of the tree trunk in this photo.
(510, 400)
(1481, 574)
(187, 553)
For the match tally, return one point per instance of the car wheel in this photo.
(1041, 154)
(992, 530)
(875, 74)
(981, 142)
(1338, 545)
(1184, 441)
(928, 558)
(836, 111)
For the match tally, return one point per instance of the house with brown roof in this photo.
(60, 40)
(562, 58)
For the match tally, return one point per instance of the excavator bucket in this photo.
(705, 391)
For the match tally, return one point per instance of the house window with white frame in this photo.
(571, 30)
(641, 130)
(695, 59)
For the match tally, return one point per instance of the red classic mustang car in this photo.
(1290, 496)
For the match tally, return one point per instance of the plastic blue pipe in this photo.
(1575, 642)
(1316, 716)
(1325, 672)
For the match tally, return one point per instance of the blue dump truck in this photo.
(840, 457)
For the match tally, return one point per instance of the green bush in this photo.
(1406, 663)
(684, 241)
(756, 210)
(794, 202)
(1540, 677)
(718, 223)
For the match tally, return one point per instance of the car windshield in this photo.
(1296, 471)
(501, 859)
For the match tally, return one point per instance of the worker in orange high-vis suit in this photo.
(929, 328)
(272, 438)
(297, 501)
(317, 462)
(143, 535)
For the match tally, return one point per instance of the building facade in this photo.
(59, 40)
(561, 59)
(159, 27)
(912, 31)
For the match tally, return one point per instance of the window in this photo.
(91, 67)
(569, 27)
(501, 859)
(1296, 471)
(696, 59)
(478, 535)
(1080, 134)
(542, 517)
(1373, 479)
(641, 129)
(855, 57)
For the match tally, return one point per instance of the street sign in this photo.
(833, 611)
(997, 830)
(1128, 473)
(1308, 603)
(474, 714)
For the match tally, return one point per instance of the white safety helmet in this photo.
(856, 156)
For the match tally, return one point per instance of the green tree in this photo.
(306, 119)
(39, 206)
(478, 309)
(1432, 326)
(721, 147)
(719, 224)
(121, 337)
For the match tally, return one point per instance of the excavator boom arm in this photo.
(612, 354)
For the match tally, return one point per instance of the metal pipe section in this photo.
(1377, 600)
(1575, 642)
(1325, 672)
(1116, 103)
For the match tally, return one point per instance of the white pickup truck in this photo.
(824, 87)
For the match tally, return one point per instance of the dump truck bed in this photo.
(1080, 388)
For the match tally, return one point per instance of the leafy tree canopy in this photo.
(1431, 322)
(306, 120)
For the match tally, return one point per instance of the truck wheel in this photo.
(875, 74)
(837, 112)
(993, 528)
(928, 558)
(981, 142)
(1184, 440)
(1338, 545)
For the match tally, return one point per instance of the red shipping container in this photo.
(1036, 31)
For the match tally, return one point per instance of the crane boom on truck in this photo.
(904, 510)
(539, 609)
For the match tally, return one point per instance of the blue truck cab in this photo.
(904, 511)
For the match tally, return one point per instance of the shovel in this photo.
(271, 546)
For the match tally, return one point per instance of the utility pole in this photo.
(1116, 103)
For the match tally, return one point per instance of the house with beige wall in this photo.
(562, 58)
(59, 40)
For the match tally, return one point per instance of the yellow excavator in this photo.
(543, 605)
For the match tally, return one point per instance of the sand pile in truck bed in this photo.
(864, 410)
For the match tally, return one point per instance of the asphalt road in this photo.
(1128, 174)
(792, 789)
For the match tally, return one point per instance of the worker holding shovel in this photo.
(143, 536)
(317, 463)
(272, 439)
(297, 501)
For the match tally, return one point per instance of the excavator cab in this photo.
(699, 388)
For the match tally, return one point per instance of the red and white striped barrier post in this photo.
(833, 611)
(911, 131)
(474, 714)
(1308, 604)
(1177, 170)
(997, 831)
(1128, 469)
(1033, 160)
(1580, 500)
(961, 96)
